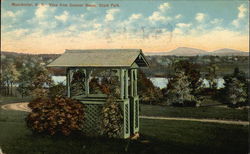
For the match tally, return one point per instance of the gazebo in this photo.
(87, 70)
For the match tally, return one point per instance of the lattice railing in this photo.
(92, 119)
(126, 118)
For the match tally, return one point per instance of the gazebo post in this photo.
(135, 82)
(126, 83)
(68, 72)
(122, 83)
(131, 83)
(86, 82)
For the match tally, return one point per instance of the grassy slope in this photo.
(192, 112)
(163, 137)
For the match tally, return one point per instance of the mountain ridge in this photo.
(187, 51)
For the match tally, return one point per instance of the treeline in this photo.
(185, 87)
(19, 72)
(164, 66)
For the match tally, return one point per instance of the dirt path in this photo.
(24, 107)
(199, 120)
(17, 106)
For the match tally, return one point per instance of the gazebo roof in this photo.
(100, 58)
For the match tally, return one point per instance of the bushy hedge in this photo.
(55, 116)
(112, 118)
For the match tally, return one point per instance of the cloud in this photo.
(43, 11)
(135, 16)
(178, 16)
(241, 16)
(160, 14)
(110, 14)
(157, 16)
(63, 17)
(183, 25)
(11, 14)
(182, 28)
(16, 34)
(163, 7)
(242, 11)
(216, 21)
(200, 17)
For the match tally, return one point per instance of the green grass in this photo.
(195, 112)
(163, 137)
(13, 99)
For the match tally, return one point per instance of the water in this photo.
(158, 82)
(162, 82)
(59, 79)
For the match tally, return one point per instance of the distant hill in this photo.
(229, 52)
(185, 51)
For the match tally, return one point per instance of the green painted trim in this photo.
(125, 103)
(93, 102)
(134, 65)
(131, 83)
(135, 82)
(121, 83)
(126, 84)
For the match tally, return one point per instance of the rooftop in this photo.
(100, 58)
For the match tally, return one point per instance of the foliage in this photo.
(147, 91)
(193, 75)
(235, 90)
(112, 118)
(9, 76)
(178, 91)
(77, 86)
(111, 114)
(211, 76)
(236, 93)
(55, 116)
(24, 82)
(41, 83)
(58, 90)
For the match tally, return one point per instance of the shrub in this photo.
(111, 114)
(112, 118)
(55, 116)
(57, 90)
(147, 91)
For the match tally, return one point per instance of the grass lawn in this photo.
(195, 112)
(13, 99)
(162, 136)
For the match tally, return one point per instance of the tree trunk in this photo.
(11, 86)
(8, 89)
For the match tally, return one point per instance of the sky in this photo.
(51, 26)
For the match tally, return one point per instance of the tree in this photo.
(178, 90)
(24, 82)
(236, 93)
(146, 89)
(233, 84)
(193, 74)
(41, 82)
(10, 76)
(211, 76)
